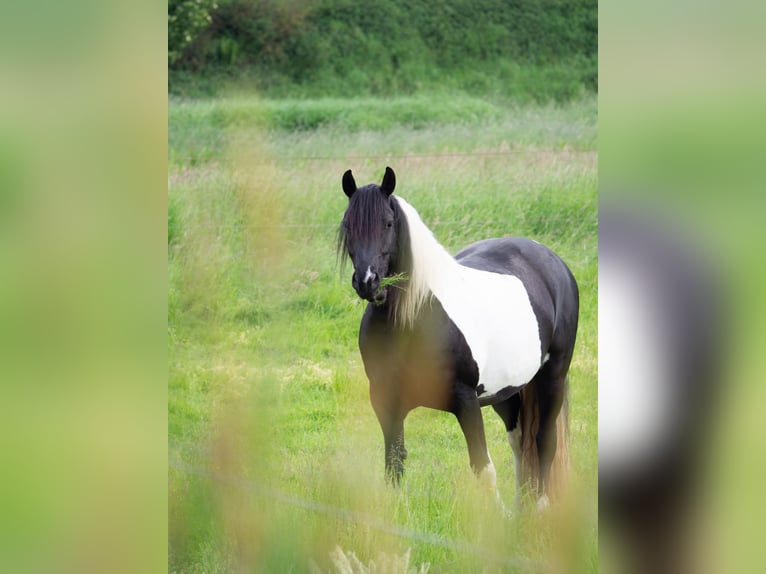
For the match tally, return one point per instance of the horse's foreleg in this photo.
(392, 424)
(393, 436)
(466, 408)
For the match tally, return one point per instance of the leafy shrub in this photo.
(186, 19)
(379, 47)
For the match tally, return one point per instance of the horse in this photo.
(493, 326)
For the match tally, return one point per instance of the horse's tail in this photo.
(529, 421)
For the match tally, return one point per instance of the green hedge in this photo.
(374, 47)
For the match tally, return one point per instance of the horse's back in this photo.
(549, 282)
(517, 256)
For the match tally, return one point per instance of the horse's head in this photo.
(368, 234)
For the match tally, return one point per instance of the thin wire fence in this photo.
(270, 158)
(310, 225)
(436, 223)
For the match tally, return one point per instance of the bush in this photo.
(186, 19)
(378, 47)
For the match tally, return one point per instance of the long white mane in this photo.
(432, 266)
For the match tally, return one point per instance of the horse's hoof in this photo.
(488, 477)
(543, 502)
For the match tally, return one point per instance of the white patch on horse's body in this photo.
(545, 359)
(492, 311)
(635, 415)
(368, 275)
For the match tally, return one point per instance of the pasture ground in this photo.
(275, 455)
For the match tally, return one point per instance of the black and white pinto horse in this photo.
(495, 325)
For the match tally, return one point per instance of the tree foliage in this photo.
(186, 19)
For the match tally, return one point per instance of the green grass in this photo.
(266, 384)
(203, 131)
(503, 78)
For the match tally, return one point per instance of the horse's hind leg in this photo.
(465, 407)
(509, 411)
(551, 390)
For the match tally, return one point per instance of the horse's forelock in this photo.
(365, 218)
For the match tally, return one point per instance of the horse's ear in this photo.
(349, 185)
(389, 182)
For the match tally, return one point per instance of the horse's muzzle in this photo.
(367, 288)
(380, 296)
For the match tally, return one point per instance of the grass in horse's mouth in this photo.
(390, 281)
(393, 281)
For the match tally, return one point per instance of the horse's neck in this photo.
(431, 266)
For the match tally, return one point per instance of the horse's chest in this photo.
(495, 316)
(411, 369)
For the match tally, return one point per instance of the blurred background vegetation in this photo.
(518, 49)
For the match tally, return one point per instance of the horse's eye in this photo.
(389, 224)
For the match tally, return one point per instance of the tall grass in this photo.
(201, 131)
(276, 456)
(503, 78)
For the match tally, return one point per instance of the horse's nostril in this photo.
(370, 276)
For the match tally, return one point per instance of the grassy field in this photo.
(275, 455)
